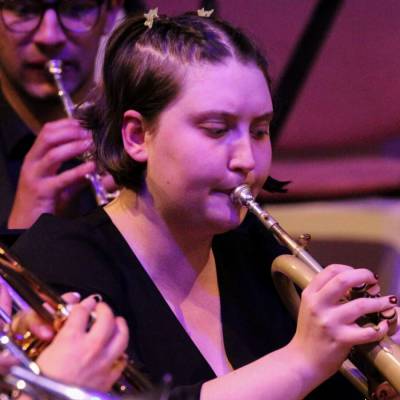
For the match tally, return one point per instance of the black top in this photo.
(91, 256)
(16, 139)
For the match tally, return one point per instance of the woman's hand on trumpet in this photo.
(327, 328)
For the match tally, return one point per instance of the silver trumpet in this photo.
(102, 197)
(382, 358)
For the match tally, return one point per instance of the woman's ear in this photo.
(133, 135)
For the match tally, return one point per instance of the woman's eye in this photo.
(215, 130)
(260, 132)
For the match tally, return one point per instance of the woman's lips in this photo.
(42, 65)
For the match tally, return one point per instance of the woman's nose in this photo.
(242, 156)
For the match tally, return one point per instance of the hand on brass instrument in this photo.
(41, 184)
(91, 358)
(30, 321)
(327, 327)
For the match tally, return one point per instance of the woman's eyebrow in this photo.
(212, 114)
(227, 115)
(265, 117)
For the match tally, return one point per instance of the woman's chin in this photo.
(226, 222)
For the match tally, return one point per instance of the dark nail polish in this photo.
(393, 299)
(97, 298)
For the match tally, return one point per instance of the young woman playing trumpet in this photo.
(182, 118)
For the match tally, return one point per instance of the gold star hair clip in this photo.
(204, 13)
(150, 17)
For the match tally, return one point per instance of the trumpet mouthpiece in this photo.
(242, 195)
(54, 67)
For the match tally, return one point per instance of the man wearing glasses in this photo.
(36, 138)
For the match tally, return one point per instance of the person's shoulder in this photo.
(54, 228)
(53, 243)
(73, 255)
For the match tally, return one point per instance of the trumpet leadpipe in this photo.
(243, 196)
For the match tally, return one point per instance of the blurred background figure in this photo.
(38, 144)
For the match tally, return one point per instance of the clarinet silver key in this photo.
(55, 68)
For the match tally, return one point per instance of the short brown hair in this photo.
(141, 72)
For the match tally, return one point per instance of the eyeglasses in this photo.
(25, 16)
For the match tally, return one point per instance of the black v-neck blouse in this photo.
(89, 255)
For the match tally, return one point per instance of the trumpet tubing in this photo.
(299, 269)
